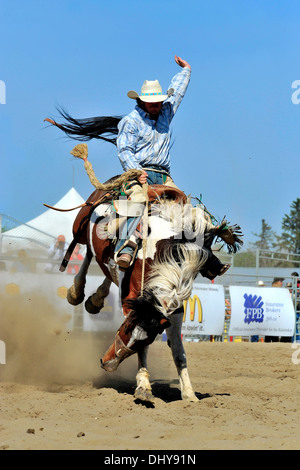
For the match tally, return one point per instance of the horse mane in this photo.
(171, 276)
(182, 217)
(197, 222)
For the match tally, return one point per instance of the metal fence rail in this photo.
(37, 264)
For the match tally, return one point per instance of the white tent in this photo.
(40, 232)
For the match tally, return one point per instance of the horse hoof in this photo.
(91, 308)
(191, 397)
(143, 394)
(73, 300)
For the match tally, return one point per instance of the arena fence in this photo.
(15, 279)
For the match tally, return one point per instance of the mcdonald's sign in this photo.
(192, 302)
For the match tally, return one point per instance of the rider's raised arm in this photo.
(181, 62)
(179, 84)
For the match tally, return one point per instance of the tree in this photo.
(245, 259)
(265, 237)
(290, 237)
(264, 243)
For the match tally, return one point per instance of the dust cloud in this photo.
(39, 346)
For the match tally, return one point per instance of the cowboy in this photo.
(143, 143)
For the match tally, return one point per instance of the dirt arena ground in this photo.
(53, 394)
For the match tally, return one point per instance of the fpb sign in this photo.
(261, 311)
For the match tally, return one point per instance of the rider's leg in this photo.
(126, 247)
(124, 255)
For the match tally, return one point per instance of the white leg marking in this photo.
(175, 343)
(143, 389)
(187, 392)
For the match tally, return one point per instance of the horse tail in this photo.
(99, 127)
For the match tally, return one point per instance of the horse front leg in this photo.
(75, 293)
(95, 302)
(179, 357)
(143, 391)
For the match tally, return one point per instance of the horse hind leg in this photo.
(143, 391)
(179, 357)
(75, 295)
(95, 302)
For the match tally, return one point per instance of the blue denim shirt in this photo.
(143, 141)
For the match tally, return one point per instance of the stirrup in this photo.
(124, 260)
(132, 245)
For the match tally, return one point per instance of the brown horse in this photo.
(173, 249)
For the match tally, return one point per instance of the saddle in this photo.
(155, 193)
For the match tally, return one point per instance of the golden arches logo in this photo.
(192, 304)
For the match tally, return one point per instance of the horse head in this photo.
(139, 329)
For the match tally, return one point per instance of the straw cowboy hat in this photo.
(151, 92)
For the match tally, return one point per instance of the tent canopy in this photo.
(40, 232)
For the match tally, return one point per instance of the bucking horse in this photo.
(175, 244)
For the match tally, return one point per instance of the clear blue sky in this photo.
(236, 134)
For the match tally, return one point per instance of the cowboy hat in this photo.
(151, 92)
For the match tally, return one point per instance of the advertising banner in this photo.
(204, 312)
(265, 311)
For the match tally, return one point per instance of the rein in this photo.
(101, 199)
(145, 233)
(67, 210)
